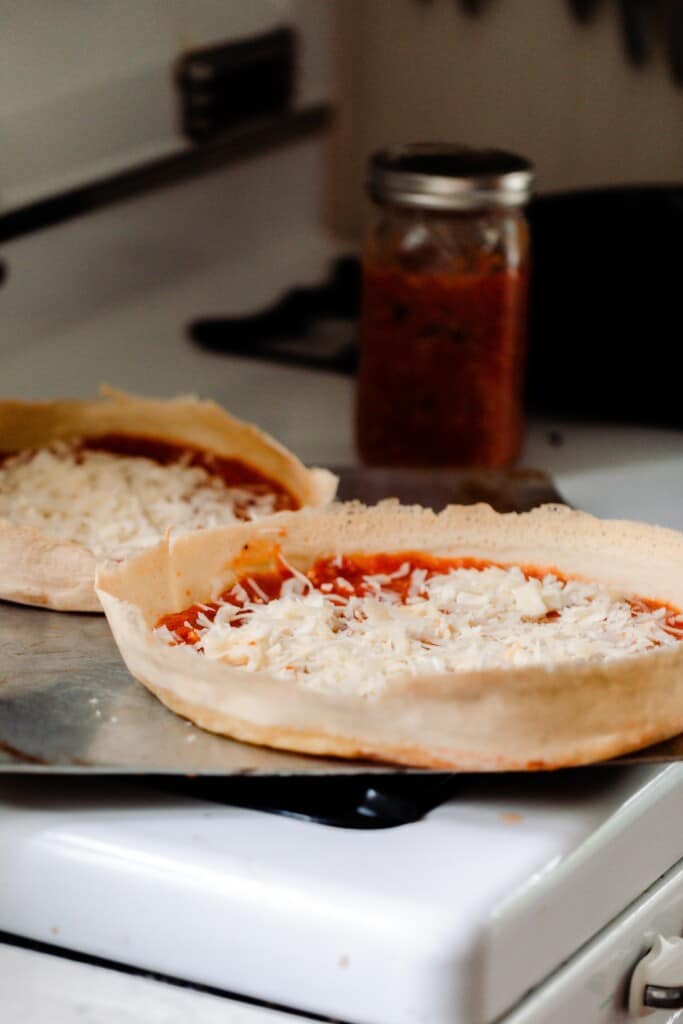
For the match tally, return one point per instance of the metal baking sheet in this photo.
(68, 704)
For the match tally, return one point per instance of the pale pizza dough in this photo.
(55, 567)
(544, 715)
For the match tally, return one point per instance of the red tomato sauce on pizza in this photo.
(347, 576)
(233, 472)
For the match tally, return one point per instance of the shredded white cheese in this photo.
(465, 619)
(117, 505)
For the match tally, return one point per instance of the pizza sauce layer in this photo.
(118, 494)
(352, 622)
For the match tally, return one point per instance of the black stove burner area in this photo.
(291, 331)
(342, 801)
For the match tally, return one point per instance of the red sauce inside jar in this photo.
(440, 379)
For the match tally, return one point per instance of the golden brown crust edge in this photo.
(520, 719)
(580, 751)
(39, 570)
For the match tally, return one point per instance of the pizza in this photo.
(82, 481)
(468, 640)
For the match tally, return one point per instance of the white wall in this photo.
(525, 76)
(87, 89)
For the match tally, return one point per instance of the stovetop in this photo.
(379, 925)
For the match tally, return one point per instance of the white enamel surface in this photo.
(623, 855)
(616, 472)
(386, 927)
(593, 988)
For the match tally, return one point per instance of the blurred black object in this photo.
(584, 10)
(290, 331)
(357, 802)
(642, 21)
(674, 13)
(636, 16)
(223, 86)
(474, 8)
(605, 320)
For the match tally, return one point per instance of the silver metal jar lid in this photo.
(441, 176)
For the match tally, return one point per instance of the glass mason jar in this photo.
(443, 321)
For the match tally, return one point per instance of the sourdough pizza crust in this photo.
(546, 716)
(41, 570)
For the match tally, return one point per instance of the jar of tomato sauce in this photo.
(445, 275)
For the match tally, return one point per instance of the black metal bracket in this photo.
(226, 85)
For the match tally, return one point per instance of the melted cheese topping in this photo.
(118, 505)
(456, 621)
